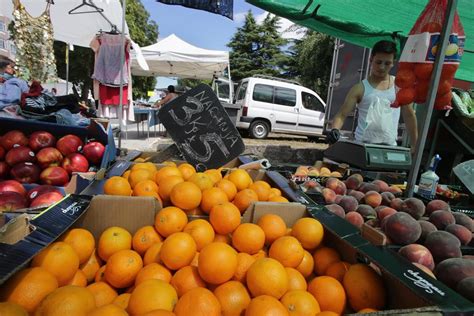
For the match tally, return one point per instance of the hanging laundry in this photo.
(108, 64)
(33, 37)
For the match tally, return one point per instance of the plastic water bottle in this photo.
(429, 180)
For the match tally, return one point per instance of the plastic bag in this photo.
(418, 55)
(380, 128)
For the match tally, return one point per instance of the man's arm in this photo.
(352, 98)
(162, 101)
(409, 118)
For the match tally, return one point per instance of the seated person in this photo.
(169, 96)
(7, 71)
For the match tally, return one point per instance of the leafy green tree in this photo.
(191, 83)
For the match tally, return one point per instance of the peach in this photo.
(366, 187)
(357, 194)
(386, 211)
(466, 288)
(324, 172)
(301, 171)
(329, 195)
(462, 233)
(395, 190)
(452, 271)
(443, 245)
(383, 186)
(366, 211)
(464, 220)
(436, 205)
(336, 185)
(354, 181)
(402, 229)
(387, 198)
(396, 204)
(338, 199)
(419, 254)
(349, 203)
(441, 219)
(426, 228)
(373, 198)
(355, 219)
(424, 269)
(336, 209)
(414, 207)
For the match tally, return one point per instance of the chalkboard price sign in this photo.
(201, 128)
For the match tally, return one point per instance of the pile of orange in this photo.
(194, 192)
(181, 267)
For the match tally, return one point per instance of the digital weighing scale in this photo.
(369, 156)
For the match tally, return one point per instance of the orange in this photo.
(178, 250)
(274, 192)
(12, 309)
(79, 279)
(337, 270)
(214, 174)
(144, 165)
(195, 261)
(233, 297)
(145, 188)
(198, 302)
(296, 280)
(273, 226)
(366, 311)
(223, 238)
(126, 174)
(151, 295)
(262, 253)
(309, 232)
(91, 266)
(267, 276)
(287, 250)
(169, 163)
(28, 287)
(187, 170)
(194, 211)
(144, 238)
(186, 279)
(159, 312)
(364, 287)
(327, 313)
(167, 171)
(262, 189)
(153, 254)
(201, 231)
(217, 263)
(139, 175)
(211, 197)
(100, 274)
(240, 178)
(278, 199)
(59, 259)
(224, 218)
(170, 220)
(329, 293)
(266, 305)
(67, 300)
(299, 302)
(307, 264)
(202, 180)
(228, 187)
(103, 293)
(108, 310)
(166, 185)
(82, 241)
(122, 268)
(323, 257)
(112, 240)
(244, 261)
(186, 195)
(248, 237)
(153, 271)
(244, 198)
(117, 186)
(122, 300)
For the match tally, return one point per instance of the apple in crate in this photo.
(4, 170)
(49, 157)
(12, 186)
(12, 138)
(69, 144)
(25, 172)
(94, 151)
(2, 153)
(46, 199)
(41, 139)
(54, 176)
(40, 190)
(75, 163)
(20, 154)
(10, 201)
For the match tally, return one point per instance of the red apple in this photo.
(54, 176)
(49, 157)
(69, 144)
(20, 154)
(13, 138)
(12, 186)
(25, 172)
(46, 199)
(94, 152)
(40, 190)
(75, 163)
(41, 139)
(10, 201)
(4, 170)
(2, 153)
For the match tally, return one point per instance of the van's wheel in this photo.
(259, 129)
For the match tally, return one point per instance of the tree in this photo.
(257, 49)
(191, 83)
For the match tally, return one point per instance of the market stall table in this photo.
(150, 115)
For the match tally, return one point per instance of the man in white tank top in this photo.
(377, 122)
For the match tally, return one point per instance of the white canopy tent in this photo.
(173, 57)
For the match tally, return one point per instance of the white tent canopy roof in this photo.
(76, 29)
(173, 57)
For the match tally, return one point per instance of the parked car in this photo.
(268, 104)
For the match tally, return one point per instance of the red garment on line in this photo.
(111, 95)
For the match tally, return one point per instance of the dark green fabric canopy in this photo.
(364, 22)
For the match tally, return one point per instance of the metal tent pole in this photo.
(435, 78)
(67, 68)
(231, 85)
(122, 62)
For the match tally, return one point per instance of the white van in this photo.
(270, 104)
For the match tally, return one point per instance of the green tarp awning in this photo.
(364, 22)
